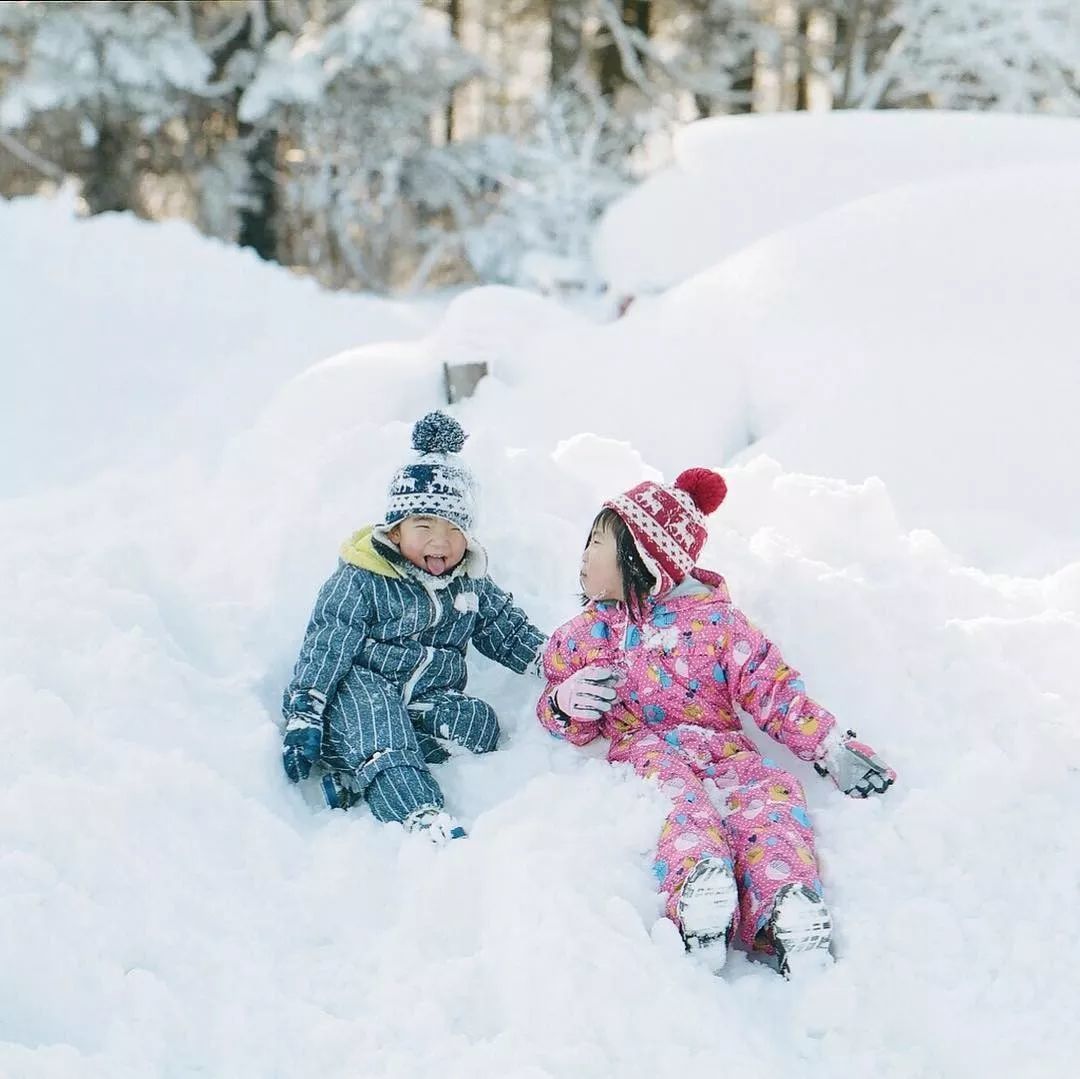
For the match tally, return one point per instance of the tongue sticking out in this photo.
(435, 566)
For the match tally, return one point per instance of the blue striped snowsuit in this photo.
(389, 654)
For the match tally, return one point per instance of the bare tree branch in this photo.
(28, 157)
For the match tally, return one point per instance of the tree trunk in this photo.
(108, 183)
(258, 229)
(716, 24)
(636, 15)
(258, 226)
(879, 35)
(802, 38)
(709, 32)
(453, 11)
(848, 32)
(742, 90)
(107, 186)
(564, 17)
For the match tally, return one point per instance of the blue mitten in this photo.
(303, 733)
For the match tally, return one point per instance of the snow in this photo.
(99, 57)
(383, 35)
(291, 72)
(150, 339)
(920, 335)
(170, 906)
(691, 215)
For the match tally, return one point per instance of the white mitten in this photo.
(586, 694)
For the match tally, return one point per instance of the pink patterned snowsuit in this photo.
(689, 662)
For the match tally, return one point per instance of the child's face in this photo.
(601, 577)
(430, 543)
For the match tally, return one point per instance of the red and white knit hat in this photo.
(668, 523)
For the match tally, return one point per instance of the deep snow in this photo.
(170, 906)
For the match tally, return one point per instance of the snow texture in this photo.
(171, 907)
(685, 218)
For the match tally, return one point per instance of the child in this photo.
(381, 674)
(659, 662)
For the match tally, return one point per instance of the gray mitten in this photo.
(854, 767)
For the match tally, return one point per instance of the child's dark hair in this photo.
(637, 580)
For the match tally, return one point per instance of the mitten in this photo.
(303, 733)
(854, 767)
(586, 694)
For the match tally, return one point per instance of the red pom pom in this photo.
(705, 487)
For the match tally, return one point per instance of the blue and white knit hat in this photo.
(437, 483)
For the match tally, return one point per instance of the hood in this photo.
(358, 550)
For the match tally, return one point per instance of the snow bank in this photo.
(738, 179)
(151, 338)
(171, 907)
(923, 335)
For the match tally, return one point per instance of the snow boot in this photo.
(800, 930)
(435, 823)
(707, 903)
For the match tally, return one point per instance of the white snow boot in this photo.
(800, 929)
(435, 823)
(707, 903)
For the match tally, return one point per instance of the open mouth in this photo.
(435, 566)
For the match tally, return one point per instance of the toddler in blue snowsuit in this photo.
(380, 681)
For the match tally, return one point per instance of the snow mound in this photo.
(920, 335)
(150, 339)
(171, 907)
(737, 179)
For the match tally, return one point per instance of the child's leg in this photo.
(454, 717)
(370, 736)
(693, 829)
(771, 836)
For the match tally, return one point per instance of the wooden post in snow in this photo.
(461, 379)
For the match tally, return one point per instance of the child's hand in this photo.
(586, 694)
(303, 733)
(855, 768)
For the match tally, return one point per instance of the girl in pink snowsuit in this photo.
(660, 662)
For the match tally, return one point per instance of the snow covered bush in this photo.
(1007, 55)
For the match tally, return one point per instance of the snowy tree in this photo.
(862, 36)
(550, 187)
(1007, 55)
(13, 25)
(100, 77)
(22, 169)
(617, 63)
(353, 102)
(565, 40)
(718, 41)
(388, 142)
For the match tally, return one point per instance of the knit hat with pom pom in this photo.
(437, 483)
(668, 523)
